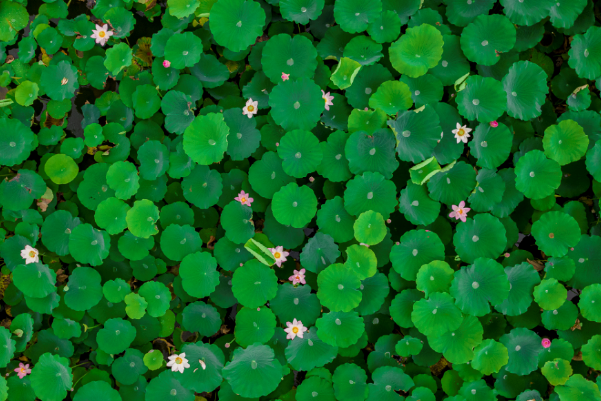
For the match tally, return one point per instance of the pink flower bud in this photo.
(507, 254)
(494, 124)
(277, 144)
(166, 63)
(227, 345)
(389, 221)
(546, 343)
(311, 179)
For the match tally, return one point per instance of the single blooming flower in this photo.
(295, 328)
(494, 124)
(31, 255)
(178, 362)
(327, 99)
(298, 277)
(101, 34)
(460, 212)
(285, 77)
(23, 370)
(462, 133)
(279, 254)
(244, 198)
(251, 108)
(166, 63)
(546, 343)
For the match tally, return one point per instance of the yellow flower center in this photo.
(298, 278)
(295, 330)
(461, 132)
(325, 100)
(251, 108)
(243, 200)
(460, 211)
(102, 34)
(178, 361)
(32, 254)
(277, 255)
(22, 370)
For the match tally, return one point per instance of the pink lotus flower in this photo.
(101, 34)
(327, 99)
(244, 198)
(494, 124)
(460, 212)
(546, 343)
(298, 277)
(166, 63)
(295, 328)
(279, 254)
(22, 370)
(507, 254)
(251, 108)
(285, 77)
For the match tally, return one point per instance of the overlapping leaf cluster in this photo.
(433, 166)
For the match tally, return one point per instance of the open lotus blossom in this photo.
(460, 212)
(101, 34)
(166, 63)
(251, 108)
(494, 124)
(462, 133)
(279, 254)
(295, 328)
(31, 255)
(244, 198)
(546, 343)
(22, 370)
(298, 277)
(178, 362)
(285, 77)
(327, 99)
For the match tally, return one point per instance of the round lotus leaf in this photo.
(565, 142)
(51, 377)
(418, 50)
(35, 280)
(483, 99)
(340, 329)
(237, 23)
(436, 315)
(523, 347)
(339, 288)
(550, 294)
(254, 371)
(482, 236)
(457, 345)
(179, 241)
(354, 16)
(490, 356)
(61, 169)
(254, 326)
(555, 233)
(254, 284)
(199, 274)
(590, 298)
(485, 36)
(142, 218)
(294, 206)
(83, 289)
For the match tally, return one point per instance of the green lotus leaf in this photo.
(408, 346)
(158, 297)
(142, 218)
(296, 104)
(14, 17)
(475, 286)
(202, 377)
(51, 377)
(555, 233)
(457, 345)
(335, 221)
(582, 48)
(523, 347)
(522, 279)
(391, 97)
(421, 394)
(354, 16)
(53, 76)
(203, 187)
(525, 14)
(452, 184)
(340, 329)
(416, 248)
(491, 146)
(83, 289)
(418, 50)
(490, 356)
(590, 355)
(557, 371)
(117, 58)
(361, 261)
(300, 152)
(364, 50)
(315, 387)
(345, 73)
(577, 386)
(254, 371)
(422, 172)
(236, 23)
(254, 326)
(122, 177)
(371, 151)
(486, 36)
(536, 176)
(254, 284)
(550, 294)
(385, 378)
(565, 142)
(483, 99)
(35, 280)
(183, 50)
(319, 252)
(370, 228)
(589, 302)
(115, 290)
(526, 87)
(8, 347)
(199, 274)
(21, 190)
(435, 276)
(179, 241)
(116, 336)
(166, 386)
(136, 306)
(425, 127)
(270, 165)
(61, 169)
(293, 205)
(129, 367)
(339, 288)
(309, 352)
(205, 140)
(436, 315)
(350, 382)
(202, 318)
(296, 303)
(564, 15)
(483, 236)
(291, 55)
(16, 146)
